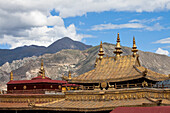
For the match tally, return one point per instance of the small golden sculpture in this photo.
(144, 83)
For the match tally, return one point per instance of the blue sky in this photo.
(98, 21)
(145, 38)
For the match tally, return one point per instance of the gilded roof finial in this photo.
(118, 50)
(11, 76)
(43, 74)
(134, 48)
(42, 70)
(69, 75)
(101, 51)
(42, 65)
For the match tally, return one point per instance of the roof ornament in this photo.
(43, 75)
(42, 70)
(118, 50)
(145, 72)
(101, 52)
(69, 75)
(96, 62)
(134, 48)
(11, 76)
(42, 65)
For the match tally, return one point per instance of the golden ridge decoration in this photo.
(101, 52)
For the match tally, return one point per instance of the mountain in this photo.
(77, 62)
(66, 43)
(8, 55)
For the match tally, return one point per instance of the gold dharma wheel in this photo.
(104, 84)
(25, 87)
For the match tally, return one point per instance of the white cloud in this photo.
(147, 24)
(164, 41)
(42, 36)
(24, 21)
(30, 28)
(116, 26)
(135, 23)
(81, 7)
(155, 27)
(146, 20)
(161, 51)
(55, 20)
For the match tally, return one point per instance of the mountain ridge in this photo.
(77, 61)
(8, 55)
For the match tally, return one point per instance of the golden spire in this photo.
(101, 51)
(118, 50)
(11, 76)
(43, 74)
(42, 65)
(42, 70)
(134, 48)
(69, 75)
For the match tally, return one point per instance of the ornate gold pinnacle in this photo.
(42, 70)
(69, 75)
(43, 74)
(42, 65)
(101, 51)
(118, 50)
(11, 76)
(134, 48)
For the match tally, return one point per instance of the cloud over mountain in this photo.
(26, 22)
(161, 51)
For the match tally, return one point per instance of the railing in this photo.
(121, 86)
(148, 85)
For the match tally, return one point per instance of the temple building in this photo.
(116, 83)
(118, 71)
(38, 85)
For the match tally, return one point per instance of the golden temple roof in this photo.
(107, 100)
(68, 105)
(87, 100)
(112, 69)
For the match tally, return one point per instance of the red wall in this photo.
(31, 86)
